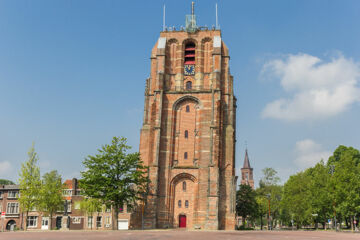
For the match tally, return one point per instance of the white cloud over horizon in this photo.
(315, 89)
(308, 153)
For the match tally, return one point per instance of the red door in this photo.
(182, 221)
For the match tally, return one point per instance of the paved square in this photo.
(177, 235)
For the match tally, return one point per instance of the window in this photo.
(67, 192)
(32, 221)
(1, 195)
(186, 203)
(13, 194)
(179, 203)
(186, 134)
(76, 220)
(98, 221)
(108, 209)
(184, 186)
(188, 85)
(44, 221)
(187, 108)
(107, 221)
(90, 221)
(77, 205)
(69, 207)
(12, 208)
(189, 54)
(185, 155)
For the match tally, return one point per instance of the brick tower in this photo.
(247, 172)
(188, 133)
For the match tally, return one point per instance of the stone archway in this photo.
(11, 225)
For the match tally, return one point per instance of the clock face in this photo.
(189, 69)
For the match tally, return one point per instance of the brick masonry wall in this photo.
(205, 160)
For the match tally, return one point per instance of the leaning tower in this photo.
(188, 133)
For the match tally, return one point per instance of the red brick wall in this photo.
(209, 169)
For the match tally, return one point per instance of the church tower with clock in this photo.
(188, 134)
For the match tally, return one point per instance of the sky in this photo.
(72, 76)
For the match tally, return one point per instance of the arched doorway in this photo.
(182, 221)
(11, 225)
(183, 200)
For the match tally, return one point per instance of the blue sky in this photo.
(72, 75)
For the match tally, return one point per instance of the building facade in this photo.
(188, 133)
(9, 207)
(77, 218)
(247, 172)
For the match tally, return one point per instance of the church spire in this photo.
(246, 160)
(247, 172)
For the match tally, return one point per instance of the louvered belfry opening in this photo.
(189, 54)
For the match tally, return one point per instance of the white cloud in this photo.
(316, 89)
(5, 168)
(309, 153)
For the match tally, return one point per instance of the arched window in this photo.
(186, 203)
(188, 85)
(187, 108)
(179, 203)
(186, 134)
(189, 54)
(185, 155)
(184, 186)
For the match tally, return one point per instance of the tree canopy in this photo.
(6, 182)
(246, 205)
(114, 176)
(30, 183)
(51, 199)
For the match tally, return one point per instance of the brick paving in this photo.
(177, 235)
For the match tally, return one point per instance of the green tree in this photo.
(270, 177)
(30, 183)
(262, 208)
(246, 205)
(346, 181)
(297, 198)
(320, 193)
(114, 176)
(51, 199)
(90, 206)
(269, 189)
(6, 182)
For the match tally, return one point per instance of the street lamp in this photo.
(269, 216)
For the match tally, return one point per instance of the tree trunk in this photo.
(116, 217)
(261, 222)
(50, 221)
(22, 221)
(27, 213)
(340, 221)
